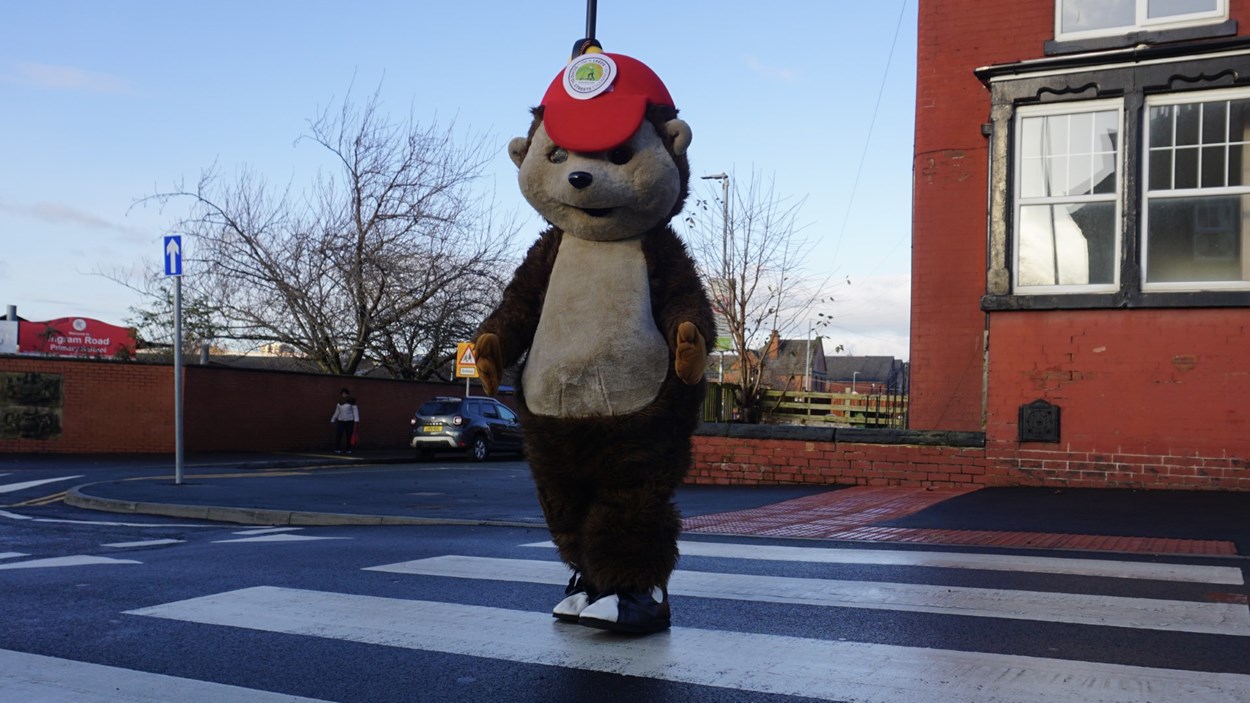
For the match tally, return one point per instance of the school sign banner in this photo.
(75, 336)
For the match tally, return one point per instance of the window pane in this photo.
(1186, 173)
(1213, 116)
(1239, 120)
(1055, 175)
(1171, 8)
(1161, 126)
(1194, 239)
(1187, 119)
(1031, 185)
(1106, 131)
(1104, 173)
(1213, 167)
(1083, 15)
(1237, 175)
(1081, 133)
(1160, 169)
(1066, 244)
(1079, 170)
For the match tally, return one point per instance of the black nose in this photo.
(580, 179)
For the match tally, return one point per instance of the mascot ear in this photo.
(678, 132)
(519, 145)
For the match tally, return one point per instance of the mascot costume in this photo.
(613, 323)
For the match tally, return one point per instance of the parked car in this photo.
(476, 426)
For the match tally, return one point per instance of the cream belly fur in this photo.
(597, 350)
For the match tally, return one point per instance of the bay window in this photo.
(1121, 179)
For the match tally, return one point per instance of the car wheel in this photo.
(480, 449)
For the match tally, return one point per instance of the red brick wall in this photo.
(728, 460)
(1168, 384)
(107, 407)
(736, 461)
(114, 407)
(950, 194)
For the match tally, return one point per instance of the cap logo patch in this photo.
(589, 75)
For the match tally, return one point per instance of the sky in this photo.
(105, 103)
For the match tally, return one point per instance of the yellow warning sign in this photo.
(466, 361)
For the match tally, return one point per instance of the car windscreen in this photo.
(438, 407)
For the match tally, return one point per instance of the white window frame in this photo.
(1142, 22)
(1067, 108)
(1189, 98)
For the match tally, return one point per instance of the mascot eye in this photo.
(620, 155)
(558, 156)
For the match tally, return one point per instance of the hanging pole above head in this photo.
(591, 6)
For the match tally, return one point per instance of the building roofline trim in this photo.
(1119, 58)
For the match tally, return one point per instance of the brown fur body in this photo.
(606, 483)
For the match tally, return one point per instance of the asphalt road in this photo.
(174, 610)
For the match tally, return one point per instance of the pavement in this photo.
(389, 488)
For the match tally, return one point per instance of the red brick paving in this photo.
(849, 514)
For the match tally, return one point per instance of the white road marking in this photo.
(15, 516)
(1103, 568)
(275, 538)
(11, 555)
(33, 677)
(76, 560)
(143, 543)
(1110, 611)
(798, 666)
(268, 530)
(14, 487)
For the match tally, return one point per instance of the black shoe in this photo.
(632, 612)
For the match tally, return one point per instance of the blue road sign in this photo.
(173, 255)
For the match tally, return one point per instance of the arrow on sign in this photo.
(172, 250)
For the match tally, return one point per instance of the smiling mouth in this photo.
(597, 211)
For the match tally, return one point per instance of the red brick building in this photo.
(1082, 234)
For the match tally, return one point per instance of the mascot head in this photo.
(605, 158)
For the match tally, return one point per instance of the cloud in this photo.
(55, 213)
(46, 76)
(871, 316)
(773, 73)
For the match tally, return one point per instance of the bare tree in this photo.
(753, 260)
(392, 227)
(154, 324)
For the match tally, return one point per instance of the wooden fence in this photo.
(812, 408)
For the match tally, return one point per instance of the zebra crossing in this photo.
(786, 664)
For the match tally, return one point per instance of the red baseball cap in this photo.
(598, 101)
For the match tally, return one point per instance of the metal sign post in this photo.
(173, 267)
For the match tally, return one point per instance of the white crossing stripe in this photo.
(281, 537)
(14, 487)
(862, 672)
(33, 677)
(11, 555)
(142, 543)
(185, 525)
(77, 560)
(1112, 611)
(1104, 568)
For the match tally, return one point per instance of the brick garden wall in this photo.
(743, 455)
(111, 407)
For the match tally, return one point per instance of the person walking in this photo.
(346, 415)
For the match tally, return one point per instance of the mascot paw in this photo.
(489, 361)
(631, 612)
(691, 353)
